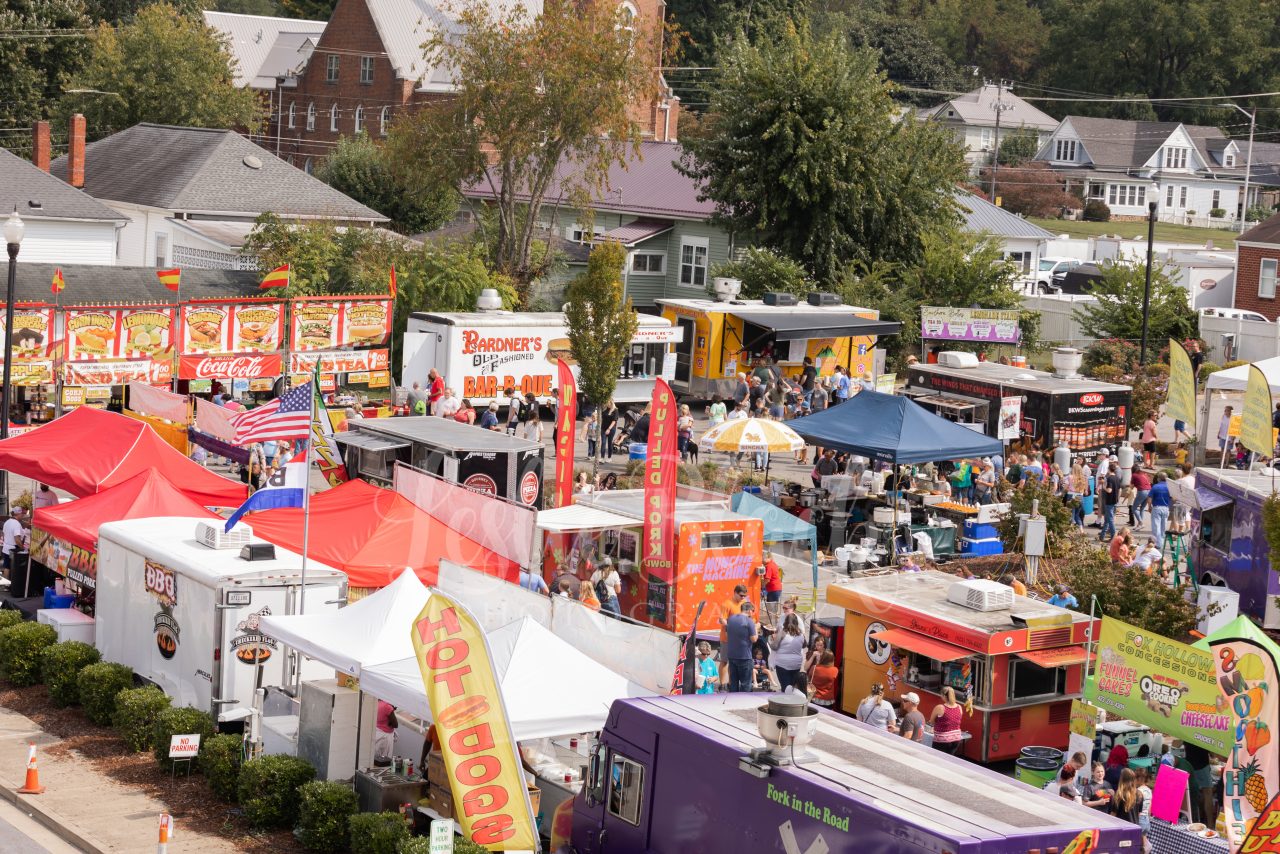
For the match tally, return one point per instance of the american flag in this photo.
(287, 417)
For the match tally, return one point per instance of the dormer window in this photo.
(1064, 151)
(1175, 158)
(1229, 159)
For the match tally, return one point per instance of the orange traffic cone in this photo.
(32, 786)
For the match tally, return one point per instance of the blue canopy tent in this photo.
(892, 429)
(779, 525)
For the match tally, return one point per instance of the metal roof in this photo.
(22, 182)
(980, 216)
(978, 108)
(637, 230)
(447, 433)
(264, 47)
(97, 285)
(1022, 378)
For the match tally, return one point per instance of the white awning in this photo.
(581, 517)
(1237, 378)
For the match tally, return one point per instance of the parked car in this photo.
(1051, 271)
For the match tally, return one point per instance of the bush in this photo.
(1207, 368)
(324, 813)
(98, 684)
(1218, 213)
(20, 649)
(422, 845)
(378, 833)
(183, 721)
(269, 790)
(1111, 353)
(219, 761)
(137, 710)
(9, 617)
(1096, 211)
(1126, 593)
(1257, 213)
(762, 271)
(61, 664)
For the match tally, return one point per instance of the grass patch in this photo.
(1165, 231)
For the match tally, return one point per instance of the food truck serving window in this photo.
(1215, 521)
(626, 789)
(722, 540)
(1028, 680)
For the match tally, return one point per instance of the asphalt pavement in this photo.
(20, 834)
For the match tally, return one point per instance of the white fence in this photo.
(1234, 339)
(1057, 318)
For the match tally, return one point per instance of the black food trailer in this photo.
(482, 460)
(1085, 413)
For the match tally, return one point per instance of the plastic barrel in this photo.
(638, 451)
(1035, 770)
(1043, 753)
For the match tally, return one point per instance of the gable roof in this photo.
(22, 182)
(95, 285)
(1129, 144)
(980, 216)
(1267, 231)
(648, 184)
(264, 47)
(204, 170)
(404, 25)
(977, 108)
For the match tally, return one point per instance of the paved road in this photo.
(20, 834)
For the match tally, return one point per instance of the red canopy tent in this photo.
(372, 534)
(89, 450)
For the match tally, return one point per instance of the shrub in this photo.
(20, 649)
(219, 761)
(61, 664)
(1056, 514)
(1207, 368)
(378, 833)
(269, 790)
(1257, 213)
(1218, 213)
(324, 813)
(422, 845)
(1112, 353)
(183, 721)
(1126, 593)
(98, 684)
(136, 712)
(9, 617)
(1096, 211)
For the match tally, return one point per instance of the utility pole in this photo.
(999, 106)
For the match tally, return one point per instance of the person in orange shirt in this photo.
(824, 681)
(1018, 587)
(1121, 548)
(728, 608)
(587, 596)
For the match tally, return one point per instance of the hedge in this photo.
(269, 790)
(378, 833)
(60, 665)
(98, 684)
(183, 721)
(219, 761)
(9, 617)
(20, 649)
(137, 710)
(324, 814)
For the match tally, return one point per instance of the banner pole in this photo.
(306, 492)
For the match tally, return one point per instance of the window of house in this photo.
(359, 118)
(311, 116)
(1175, 158)
(1229, 160)
(1021, 260)
(382, 121)
(986, 137)
(1097, 191)
(331, 68)
(578, 233)
(306, 166)
(627, 17)
(366, 69)
(1182, 196)
(1267, 278)
(293, 108)
(1168, 196)
(649, 263)
(1130, 195)
(333, 118)
(1028, 680)
(162, 250)
(626, 789)
(693, 262)
(1217, 199)
(1065, 150)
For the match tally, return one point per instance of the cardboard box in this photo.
(440, 801)
(437, 774)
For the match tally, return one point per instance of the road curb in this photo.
(51, 820)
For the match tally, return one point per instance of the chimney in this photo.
(75, 157)
(40, 145)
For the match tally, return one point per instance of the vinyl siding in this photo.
(62, 242)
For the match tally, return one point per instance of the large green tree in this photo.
(801, 152)
(162, 67)
(1001, 38)
(703, 26)
(908, 56)
(358, 167)
(35, 67)
(1117, 311)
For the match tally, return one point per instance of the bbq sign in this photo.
(489, 795)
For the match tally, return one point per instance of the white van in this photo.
(1233, 314)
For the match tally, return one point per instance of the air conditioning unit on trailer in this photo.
(957, 359)
(980, 595)
(210, 534)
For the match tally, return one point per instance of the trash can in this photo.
(638, 451)
(1043, 753)
(1036, 771)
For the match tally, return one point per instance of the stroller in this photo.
(627, 420)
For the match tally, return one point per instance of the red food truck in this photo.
(1020, 661)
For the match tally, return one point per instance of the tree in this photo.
(704, 26)
(1018, 147)
(116, 12)
(1032, 189)
(801, 151)
(601, 323)
(34, 70)
(533, 95)
(1002, 38)
(1125, 593)
(162, 67)
(308, 10)
(358, 167)
(762, 271)
(1117, 311)
(907, 55)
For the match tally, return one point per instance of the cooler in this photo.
(976, 530)
(1139, 740)
(990, 546)
(637, 451)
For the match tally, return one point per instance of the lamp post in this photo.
(1248, 158)
(13, 231)
(1153, 201)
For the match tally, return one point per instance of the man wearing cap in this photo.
(1063, 599)
(912, 726)
(14, 533)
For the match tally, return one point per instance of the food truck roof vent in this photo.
(779, 298)
(787, 723)
(212, 535)
(726, 288)
(823, 298)
(1066, 362)
(981, 595)
(957, 359)
(488, 300)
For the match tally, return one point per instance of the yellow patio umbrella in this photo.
(751, 436)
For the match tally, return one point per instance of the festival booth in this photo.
(372, 533)
(779, 525)
(88, 451)
(889, 429)
(1018, 660)
(344, 339)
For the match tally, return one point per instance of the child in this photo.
(762, 676)
(593, 435)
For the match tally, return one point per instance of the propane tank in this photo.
(1062, 456)
(1125, 454)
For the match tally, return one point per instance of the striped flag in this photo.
(287, 417)
(171, 279)
(58, 282)
(286, 487)
(277, 278)
(393, 281)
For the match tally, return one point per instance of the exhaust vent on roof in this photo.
(981, 595)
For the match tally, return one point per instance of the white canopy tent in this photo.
(1237, 378)
(582, 517)
(549, 687)
(372, 630)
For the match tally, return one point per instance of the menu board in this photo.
(30, 372)
(146, 332)
(334, 325)
(315, 325)
(366, 323)
(32, 332)
(107, 374)
(257, 327)
(92, 334)
(206, 328)
(339, 363)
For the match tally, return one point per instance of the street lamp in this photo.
(13, 231)
(1248, 159)
(1153, 201)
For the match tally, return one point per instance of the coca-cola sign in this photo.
(230, 367)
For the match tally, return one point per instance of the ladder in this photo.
(1175, 545)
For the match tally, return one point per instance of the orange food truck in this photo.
(716, 549)
(1019, 660)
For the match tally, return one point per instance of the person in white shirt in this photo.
(447, 406)
(1148, 557)
(44, 497)
(14, 534)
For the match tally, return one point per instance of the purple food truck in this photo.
(1231, 546)
(750, 773)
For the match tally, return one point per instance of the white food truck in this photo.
(481, 353)
(184, 615)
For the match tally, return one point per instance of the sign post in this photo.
(183, 748)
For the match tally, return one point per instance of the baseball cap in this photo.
(912, 697)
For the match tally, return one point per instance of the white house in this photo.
(972, 117)
(1020, 241)
(1195, 174)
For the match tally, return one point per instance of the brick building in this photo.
(369, 64)
(1257, 265)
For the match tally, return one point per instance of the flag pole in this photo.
(306, 492)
